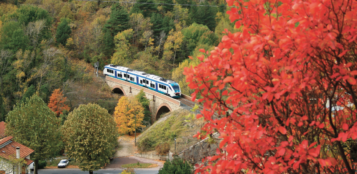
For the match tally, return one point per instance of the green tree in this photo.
(146, 7)
(90, 136)
(2, 109)
(145, 103)
(206, 15)
(63, 31)
(197, 34)
(176, 166)
(34, 125)
(29, 92)
(118, 22)
(168, 24)
(165, 5)
(157, 24)
(13, 37)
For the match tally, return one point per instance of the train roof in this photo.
(151, 76)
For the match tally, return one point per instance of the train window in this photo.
(132, 79)
(152, 85)
(119, 75)
(176, 88)
(164, 87)
(141, 82)
(109, 71)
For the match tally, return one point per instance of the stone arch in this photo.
(118, 90)
(162, 109)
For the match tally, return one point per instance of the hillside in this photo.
(178, 124)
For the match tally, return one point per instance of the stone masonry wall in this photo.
(157, 100)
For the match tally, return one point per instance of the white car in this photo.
(63, 163)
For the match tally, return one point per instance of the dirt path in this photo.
(125, 155)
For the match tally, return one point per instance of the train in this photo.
(152, 82)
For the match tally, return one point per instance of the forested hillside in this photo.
(44, 44)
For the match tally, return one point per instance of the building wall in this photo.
(6, 166)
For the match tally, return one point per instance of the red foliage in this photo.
(288, 84)
(57, 101)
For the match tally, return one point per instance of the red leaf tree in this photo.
(282, 92)
(57, 102)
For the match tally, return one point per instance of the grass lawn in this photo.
(136, 165)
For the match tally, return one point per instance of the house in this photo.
(11, 153)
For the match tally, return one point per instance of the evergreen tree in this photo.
(2, 109)
(167, 24)
(157, 24)
(29, 92)
(118, 22)
(206, 15)
(63, 32)
(146, 7)
(192, 14)
(135, 9)
(166, 7)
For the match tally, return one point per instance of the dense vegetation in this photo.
(43, 41)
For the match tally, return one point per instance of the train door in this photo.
(141, 81)
(119, 74)
(152, 84)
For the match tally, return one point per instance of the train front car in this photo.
(177, 91)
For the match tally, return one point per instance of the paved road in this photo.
(106, 171)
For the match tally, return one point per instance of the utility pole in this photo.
(135, 129)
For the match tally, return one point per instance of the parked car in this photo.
(63, 163)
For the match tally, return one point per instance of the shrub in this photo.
(177, 166)
(145, 144)
(42, 164)
(162, 149)
(128, 171)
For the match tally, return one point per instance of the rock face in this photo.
(202, 149)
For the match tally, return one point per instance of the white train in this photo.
(153, 82)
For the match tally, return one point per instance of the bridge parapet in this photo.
(159, 103)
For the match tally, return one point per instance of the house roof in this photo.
(8, 149)
(28, 162)
(2, 129)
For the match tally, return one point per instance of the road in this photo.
(105, 171)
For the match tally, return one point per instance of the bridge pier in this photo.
(159, 103)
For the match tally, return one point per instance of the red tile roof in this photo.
(9, 151)
(28, 162)
(2, 129)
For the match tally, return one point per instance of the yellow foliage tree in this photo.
(128, 115)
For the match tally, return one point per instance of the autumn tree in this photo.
(34, 125)
(128, 115)
(90, 136)
(122, 54)
(57, 102)
(282, 92)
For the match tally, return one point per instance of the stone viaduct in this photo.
(159, 103)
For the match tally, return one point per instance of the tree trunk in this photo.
(36, 167)
(90, 172)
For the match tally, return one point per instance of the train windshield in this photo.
(176, 87)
